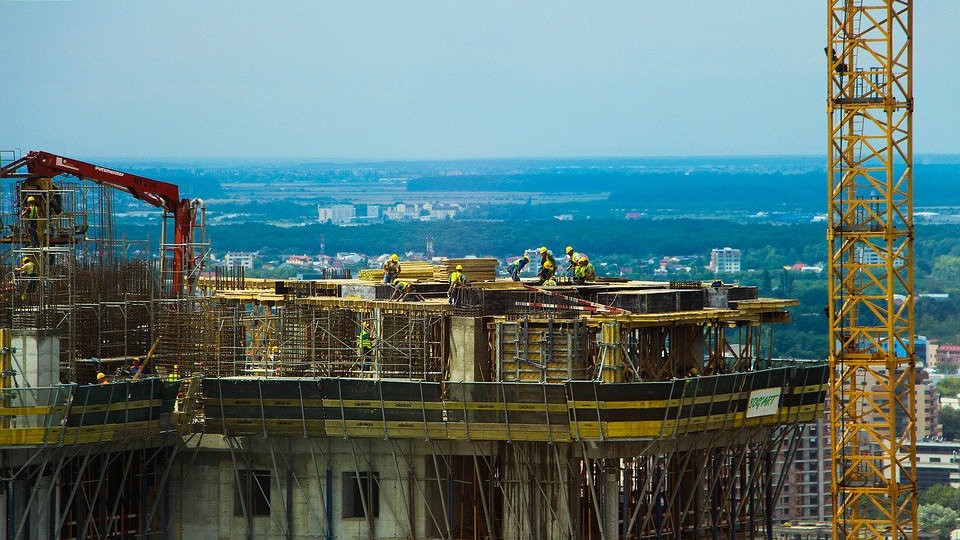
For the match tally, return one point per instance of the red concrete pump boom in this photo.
(160, 194)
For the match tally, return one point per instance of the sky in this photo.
(440, 79)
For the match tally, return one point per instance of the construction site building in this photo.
(615, 409)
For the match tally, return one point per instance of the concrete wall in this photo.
(203, 488)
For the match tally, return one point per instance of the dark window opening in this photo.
(253, 491)
(361, 494)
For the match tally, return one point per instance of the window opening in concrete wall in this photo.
(253, 490)
(360, 488)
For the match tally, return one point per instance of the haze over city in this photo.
(432, 79)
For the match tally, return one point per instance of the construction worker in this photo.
(572, 258)
(457, 280)
(546, 255)
(550, 282)
(400, 290)
(547, 271)
(365, 347)
(135, 365)
(517, 266)
(584, 271)
(30, 215)
(102, 378)
(28, 270)
(391, 268)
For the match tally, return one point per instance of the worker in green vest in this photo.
(584, 271)
(365, 347)
(30, 216)
(457, 281)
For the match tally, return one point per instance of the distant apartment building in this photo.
(299, 260)
(947, 355)
(927, 408)
(338, 214)
(726, 260)
(806, 490)
(871, 257)
(239, 258)
(938, 463)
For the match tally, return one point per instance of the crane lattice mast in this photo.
(871, 281)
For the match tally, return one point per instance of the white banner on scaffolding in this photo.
(763, 402)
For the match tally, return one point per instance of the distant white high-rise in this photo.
(337, 214)
(726, 260)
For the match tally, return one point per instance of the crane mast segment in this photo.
(870, 271)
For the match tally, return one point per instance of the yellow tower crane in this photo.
(871, 283)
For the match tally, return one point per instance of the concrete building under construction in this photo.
(613, 409)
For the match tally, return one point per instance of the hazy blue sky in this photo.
(441, 79)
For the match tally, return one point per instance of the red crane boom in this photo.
(160, 194)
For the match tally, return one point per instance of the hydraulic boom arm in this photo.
(160, 194)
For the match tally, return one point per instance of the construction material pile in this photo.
(475, 269)
(409, 270)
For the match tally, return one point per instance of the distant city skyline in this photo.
(439, 80)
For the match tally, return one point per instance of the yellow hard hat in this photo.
(569, 249)
(25, 260)
(31, 198)
(526, 258)
(543, 249)
(394, 257)
(459, 267)
(582, 259)
(548, 264)
(101, 376)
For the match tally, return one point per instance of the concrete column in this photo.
(43, 509)
(37, 357)
(611, 500)
(469, 358)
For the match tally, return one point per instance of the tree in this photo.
(950, 419)
(938, 519)
(949, 386)
(766, 283)
(942, 494)
(946, 369)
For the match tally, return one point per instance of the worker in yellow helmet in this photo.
(30, 216)
(546, 256)
(400, 290)
(365, 347)
(572, 257)
(391, 268)
(28, 272)
(584, 271)
(102, 378)
(457, 281)
(547, 271)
